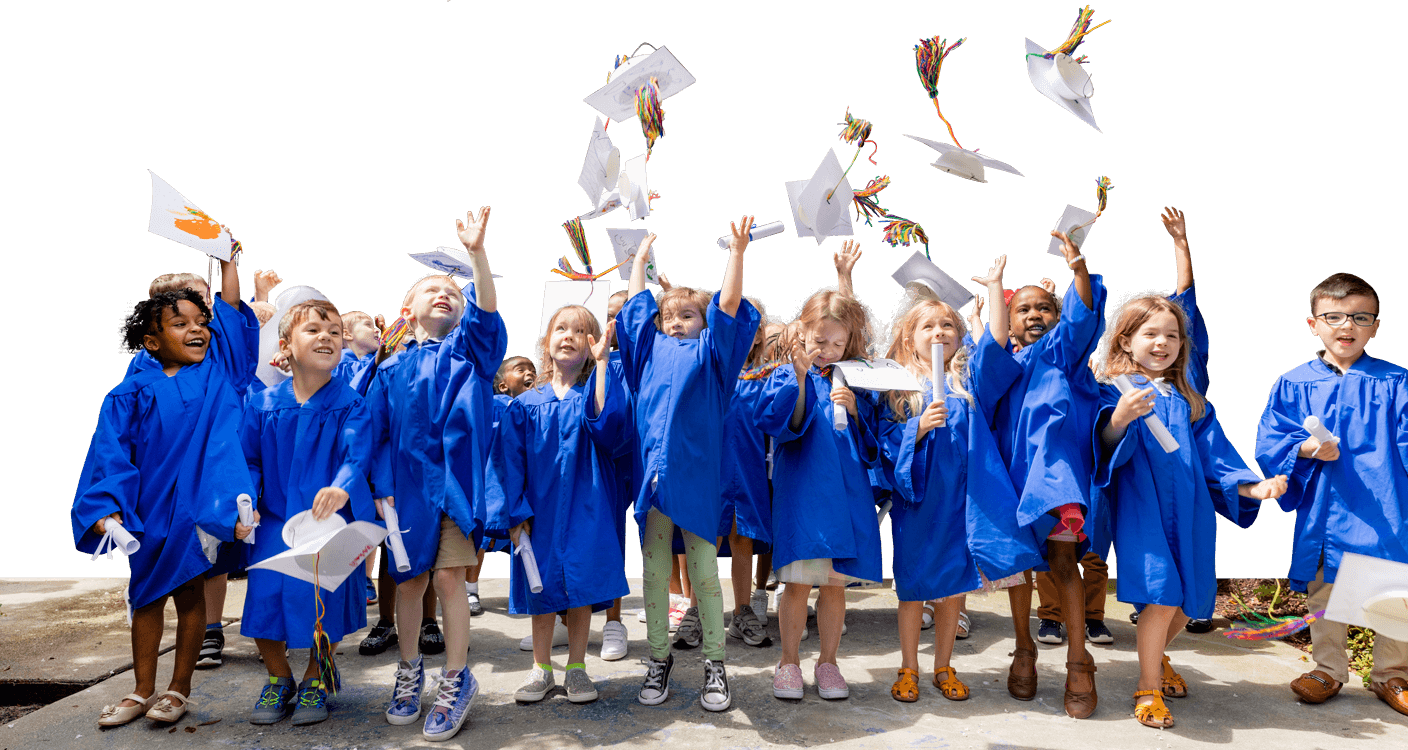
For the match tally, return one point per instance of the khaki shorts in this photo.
(455, 550)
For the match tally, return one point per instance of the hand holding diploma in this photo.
(1144, 407)
(842, 397)
(115, 537)
(756, 232)
(1321, 444)
(249, 518)
(523, 547)
(387, 507)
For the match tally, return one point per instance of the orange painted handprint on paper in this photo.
(201, 225)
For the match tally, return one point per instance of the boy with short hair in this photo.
(1351, 495)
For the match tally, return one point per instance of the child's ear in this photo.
(1311, 322)
(150, 343)
(406, 313)
(1123, 342)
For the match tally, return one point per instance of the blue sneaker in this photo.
(274, 701)
(457, 690)
(405, 697)
(1052, 632)
(312, 703)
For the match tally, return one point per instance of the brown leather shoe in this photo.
(1316, 687)
(1394, 693)
(1021, 677)
(1081, 705)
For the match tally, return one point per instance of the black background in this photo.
(334, 148)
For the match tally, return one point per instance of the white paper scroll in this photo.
(936, 365)
(757, 233)
(530, 563)
(1317, 429)
(246, 508)
(884, 511)
(878, 375)
(116, 538)
(838, 412)
(1155, 425)
(393, 538)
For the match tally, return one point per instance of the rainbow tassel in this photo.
(1102, 193)
(1277, 627)
(902, 231)
(857, 132)
(761, 371)
(866, 203)
(328, 675)
(395, 333)
(1077, 35)
(578, 238)
(929, 57)
(652, 116)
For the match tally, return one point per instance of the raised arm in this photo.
(1076, 262)
(845, 262)
(601, 352)
(263, 282)
(732, 292)
(642, 256)
(998, 324)
(472, 236)
(230, 282)
(1178, 230)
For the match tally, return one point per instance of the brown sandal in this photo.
(950, 686)
(1080, 705)
(906, 688)
(1021, 677)
(1154, 714)
(1172, 683)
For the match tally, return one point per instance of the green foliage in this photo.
(1361, 652)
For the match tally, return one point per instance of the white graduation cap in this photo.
(1062, 80)
(878, 375)
(269, 333)
(176, 218)
(820, 206)
(449, 261)
(617, 99)
(601, 170)
(1075, 222)
(592, 295)
(922, 272)
(624, 243)
(634, 188)
(1371, 593)
(962, 162)
(331, 547)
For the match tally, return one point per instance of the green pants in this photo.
(702, 557)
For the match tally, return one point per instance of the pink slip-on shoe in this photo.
(829, 682)
(787, 682)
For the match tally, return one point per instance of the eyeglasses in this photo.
(1362, 319)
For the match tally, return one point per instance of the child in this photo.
(1162, 503)
(432, 409)
(1349, 496)
(550, 477)
(681, 361)
(825, 532)
(954, 517)
(305, 441)
(164, 452)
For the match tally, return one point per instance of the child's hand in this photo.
(473, 235)
(846, 257)
(1132, 406)
(389, 500)
(801, 362)
(665, 284)
(523, 528)
(739, 241)
(601, 350)
(999, 264)
(1266, 489)
(242, 531)
(975, 318)
(1068, 250)
(846, 398)
(934, 416)
(101, 527)
(1173, 222)
(1313, 448)
(263, 282)
(1049, 286)
(329, 500)
(280, 361)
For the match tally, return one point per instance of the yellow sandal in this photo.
(950, 686)
(1154, 714)
(906, 688)
(1172, 683)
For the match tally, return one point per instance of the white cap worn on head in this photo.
(961, 162)
(922, 272)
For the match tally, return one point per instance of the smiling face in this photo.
(516, 376)
(1155, 345)
(1033, 313)
(313, 345)
(435, 304)
(682, 321)
(362, 336)
(182, 337)
(826, 339)
(936, 326)
(1346, 341)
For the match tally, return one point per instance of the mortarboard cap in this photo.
(922, 272)
(1075, 222)
(449, 261)
(617, 99)
(1062, 80)
(815, 214)
(176, 218)
(1373, 593)
(331, 547)
(963, 163)
(624, 243)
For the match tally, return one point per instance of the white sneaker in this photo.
(559, 637)
(613, 641)
(641, 616)
(758, 602)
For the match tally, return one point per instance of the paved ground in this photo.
(1239, 692)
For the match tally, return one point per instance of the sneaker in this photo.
(771, 584)
(1096, 632)
(656, 687)
(746, 627)
(312, 703)
(539, 684)
(787, 682)
(275, 701)
(405, 695)
(640, 616)
(371, 592)
(926, 618)
(382, 637)
(1134, 617)
(431, 641)
(689, 634)
(715, 696)
(758, 602)
(475, 608)
(1051, 632)
(212, 649)
(678, 606)
(457, 690)
(559, 637)
(613, 641)
(580, 688)
(1199, 626)
(829, 682)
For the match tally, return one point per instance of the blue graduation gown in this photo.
(432, 411)
(166, 455)
(355, 371)
(682, 389)
(1197, 339)
(954, 509)
(551, 462)
(747, 499)
(625, 465)
(823, 504)
(1162, 504)
(293, 450)
(1359, 501)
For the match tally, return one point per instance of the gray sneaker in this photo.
(745, 626)
(690, 633)
(580, 688)
(758, 602)
(275, 701)
(537, 687)
(715, 695)
(312, 703)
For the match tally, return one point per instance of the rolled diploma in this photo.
(1156, 425)
(936, 364)
(116, 537)
(246, 509)
(757, 233)
(884, 511)
(838, 412)
(393, 538)
(1317, 428)
(530, 563)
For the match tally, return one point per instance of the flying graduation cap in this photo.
(1076, 222)
(1058, 74)
(820, 205)
(929, 55)
(638, 85)
(919, 272)
(175, 218)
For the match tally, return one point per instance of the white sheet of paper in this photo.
(878, 375)
(1380, 584)
(617, 99)
(601, 167)
(624, 243)
(1071, 218)
(269, 333)
(920, 270)
(592, 295)
(1039, 70)
(827, 217)
(171, 218)
(634, 187)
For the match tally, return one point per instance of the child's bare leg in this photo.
(945, 629)
(275, 657)
(1151, 635)
(542, 637)
(385, 590)
(1019, 598)
(190, 631)
(792, 619)
(312, 670)
(686, 587)
(147, 625)
(215, 589)
(471, 574)
(742, 569)
(676, 585)
(1066, 572)
(450, 584)
(764, 568)
(911, 621)
(830, 615)
(427, 606)
(410, 596)
(1175, 625)
(613, 613)
(579, 620)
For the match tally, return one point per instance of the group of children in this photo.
(715, 423)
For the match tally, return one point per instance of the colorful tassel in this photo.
(578, 237)
(929, 57)
(902, 231)
(857, 132)
(652, 116)
(1277, 627)
(866, 203)
(1102, 193)
(1077, 35)
(395, 333)
(761, 371)
(322, 644)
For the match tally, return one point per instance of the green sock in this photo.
(578, 665)
(546, 667)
